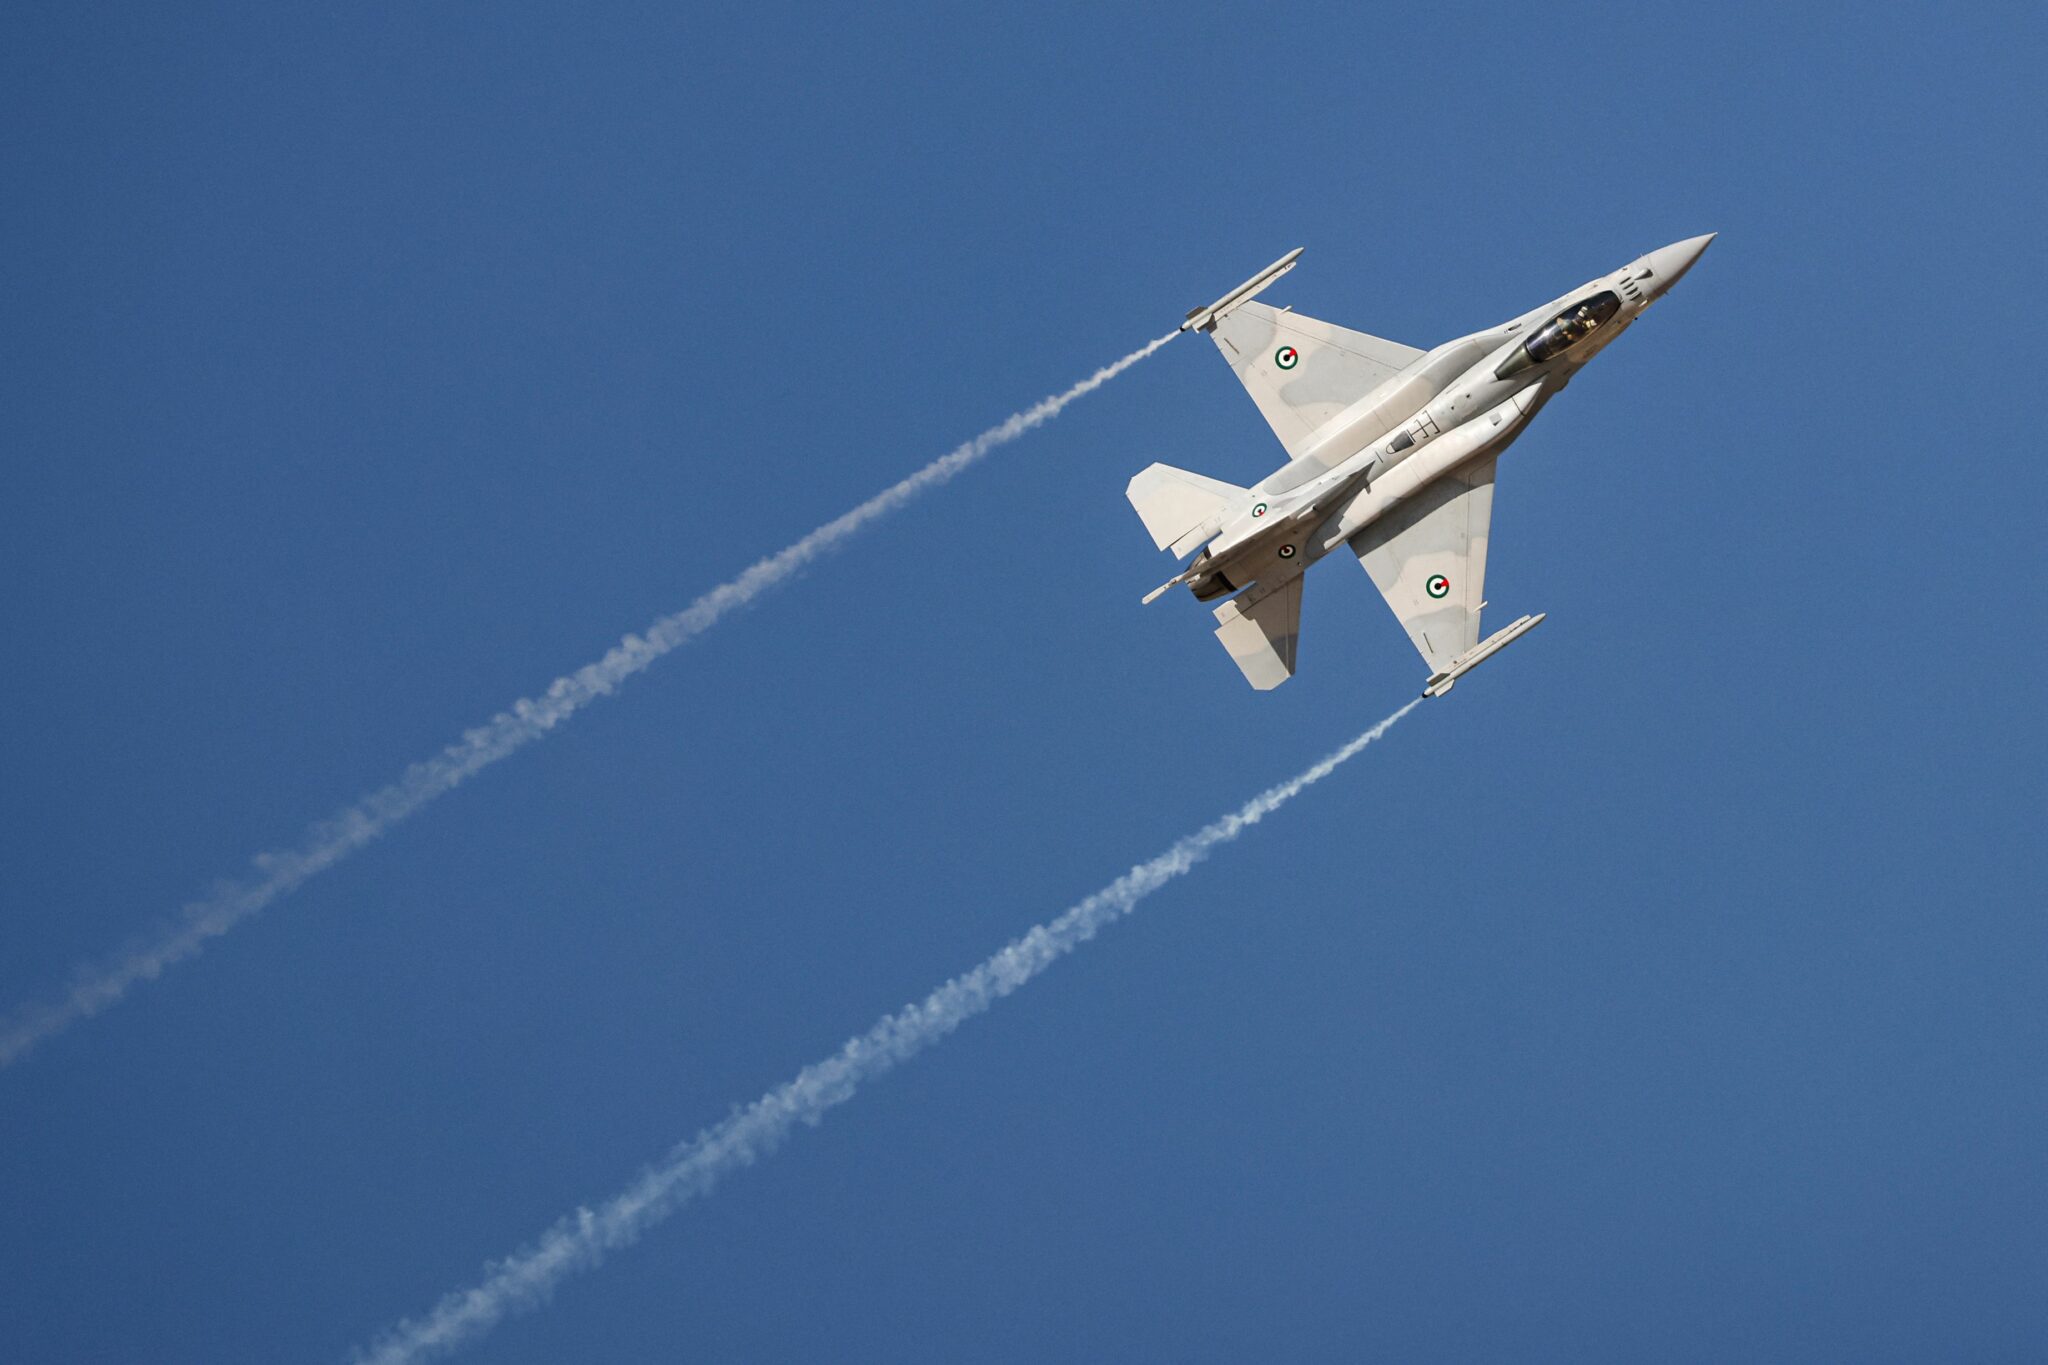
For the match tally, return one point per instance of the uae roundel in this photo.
(1287, 357)
(1438, 585)
(1287, 552)
(1259, 511)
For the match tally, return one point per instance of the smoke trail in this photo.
(580, 1241)
(95, 986)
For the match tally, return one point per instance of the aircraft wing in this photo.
(1300, 371)
(1261, 630)
(1428, 558)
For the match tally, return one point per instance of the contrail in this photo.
(95, 986)
(580, 1241)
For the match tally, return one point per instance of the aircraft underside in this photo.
(1392, 453)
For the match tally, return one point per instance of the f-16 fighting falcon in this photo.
(1390, 453)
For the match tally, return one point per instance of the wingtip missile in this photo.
(1185, 575)
(1441, 683)
(1205, 319)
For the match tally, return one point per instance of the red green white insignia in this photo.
(1437, 585)
(1287, 357)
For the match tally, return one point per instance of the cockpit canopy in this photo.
(1562, 332)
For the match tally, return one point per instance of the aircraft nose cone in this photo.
(1669, 263)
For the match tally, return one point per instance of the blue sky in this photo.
(1673, 990)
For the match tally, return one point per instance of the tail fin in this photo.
(1181, 509)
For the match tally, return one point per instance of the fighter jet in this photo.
(1390, 454)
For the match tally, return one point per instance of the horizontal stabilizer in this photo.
(1262, 631)
(1180, 509)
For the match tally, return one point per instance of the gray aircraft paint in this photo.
(1391, 453)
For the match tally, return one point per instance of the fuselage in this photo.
(1466, 400)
